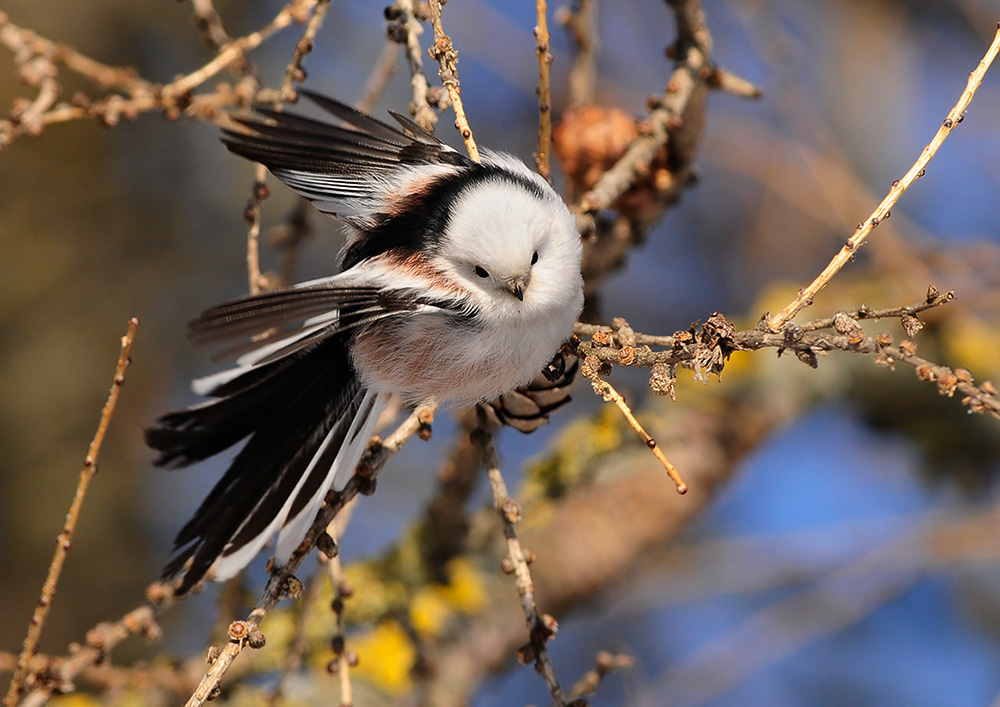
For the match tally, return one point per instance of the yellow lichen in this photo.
(385, 657)
(973, 344)
(433, 605)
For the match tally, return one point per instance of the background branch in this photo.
(65, 539)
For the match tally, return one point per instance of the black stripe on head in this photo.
(418, 220)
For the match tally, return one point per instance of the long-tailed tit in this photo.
(460, 282)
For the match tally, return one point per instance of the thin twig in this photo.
(445, 54)
(378, 79)
(541, 627)
(236, 49)
(605, 664)
(620, 178)
(105, 677)
(934, 299)
(582, 329)
(100, 641)
(294, 71)
(608, 392)
(289, 236)
(709, 347)
(297, 644)
(174, 99)
(209, 24)
(581, 22)
(341, 592)
(543, 155)
(955, 116)
(258, 193)
(420, 108)
(64, 540)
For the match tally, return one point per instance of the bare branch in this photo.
(65, 538)
(955, 116)
(378, 79)
(543, 155)
(405, 11)
(541, 627)
(209, 24)
(590, 369)
(581, 23)
(294, 72)
(42, 58)
(605, 664)
(446, 55)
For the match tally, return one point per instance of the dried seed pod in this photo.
(844, 324)
(662, 379)
(911, 325)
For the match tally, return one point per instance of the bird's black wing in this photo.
(306, 418)
(296, 400)
(342, 170)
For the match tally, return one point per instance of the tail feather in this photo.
(305, 416)
(334, 475)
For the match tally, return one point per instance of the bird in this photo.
(459, 281)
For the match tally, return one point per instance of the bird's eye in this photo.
(481, 271)
(534, 257)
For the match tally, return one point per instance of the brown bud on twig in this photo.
(292, 588)
(527, 654)
(947, 383)
(510, 510)
(367, 487)
(327, 545)
(238, 630)
(337, 644)
(213, 654)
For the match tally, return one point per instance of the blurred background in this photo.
(850, 558)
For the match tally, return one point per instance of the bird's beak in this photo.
(517, 285)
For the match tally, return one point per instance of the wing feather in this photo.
(344, 170)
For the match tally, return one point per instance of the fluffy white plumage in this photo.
(460, 283)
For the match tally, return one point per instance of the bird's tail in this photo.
(307, 419)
